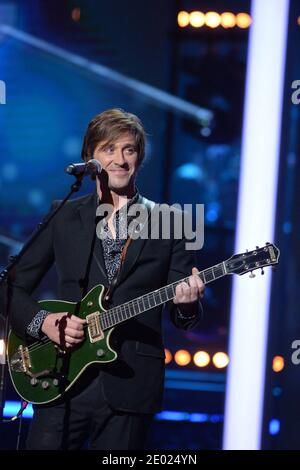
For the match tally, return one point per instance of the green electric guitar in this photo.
(41, 371)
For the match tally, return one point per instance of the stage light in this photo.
(274, 426)
(197, 19)
(183, 19)
(256, 215)
(243, 20)
(278, 363)
(212, 19)
(182, 357)
(201, 359)
(189, 171)
(168, 356)
(228, 20)
(186, 416)
(76, 14)
(298, 20)
(11, 409)
(220, 360)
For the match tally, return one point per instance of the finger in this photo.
(201, 290)
(194, 295)
(193, 282)
(201, 287)
(71, 340)
(199, 282)
(81, 321)
(185, 293)
(180, 288)
(74, 324)
(195, 276)
(185, 286)
(178, 294)
(74, 333)
(71, 318)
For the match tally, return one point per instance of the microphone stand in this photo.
(8, 274)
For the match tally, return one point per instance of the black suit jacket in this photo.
(135, 381)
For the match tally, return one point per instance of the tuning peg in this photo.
(257, 247)
(262, 271)
(252, 275)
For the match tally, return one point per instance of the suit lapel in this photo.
(87, 214)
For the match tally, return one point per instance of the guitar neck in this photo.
(148, 301)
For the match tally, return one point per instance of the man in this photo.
(113, 404)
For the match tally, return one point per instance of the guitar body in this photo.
(41, 372)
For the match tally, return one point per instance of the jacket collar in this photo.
(87, 213)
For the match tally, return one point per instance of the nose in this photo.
(119, 157)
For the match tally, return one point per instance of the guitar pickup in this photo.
(94, 327)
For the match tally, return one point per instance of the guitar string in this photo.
(110, 314)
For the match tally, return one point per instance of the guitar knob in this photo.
(100, 353)
(55, 382)
(33, 381)
(45, 384)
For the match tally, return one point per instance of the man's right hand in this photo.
(63, 330)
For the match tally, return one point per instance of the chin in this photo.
(118, 187)
(118, 184)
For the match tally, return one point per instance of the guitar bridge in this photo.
(20, 362)
(94, 327)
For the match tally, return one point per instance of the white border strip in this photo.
(255, 222)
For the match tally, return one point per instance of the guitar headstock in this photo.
(250, 260)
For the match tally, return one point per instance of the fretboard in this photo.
(148, 301)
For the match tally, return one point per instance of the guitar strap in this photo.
(124, 252)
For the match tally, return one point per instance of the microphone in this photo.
(92, 167)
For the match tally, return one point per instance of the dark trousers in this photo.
(86, 420)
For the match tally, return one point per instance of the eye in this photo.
(130, 150)
(109, 149)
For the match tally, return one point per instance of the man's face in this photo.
(120, 161)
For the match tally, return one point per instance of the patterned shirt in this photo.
(112, 248)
